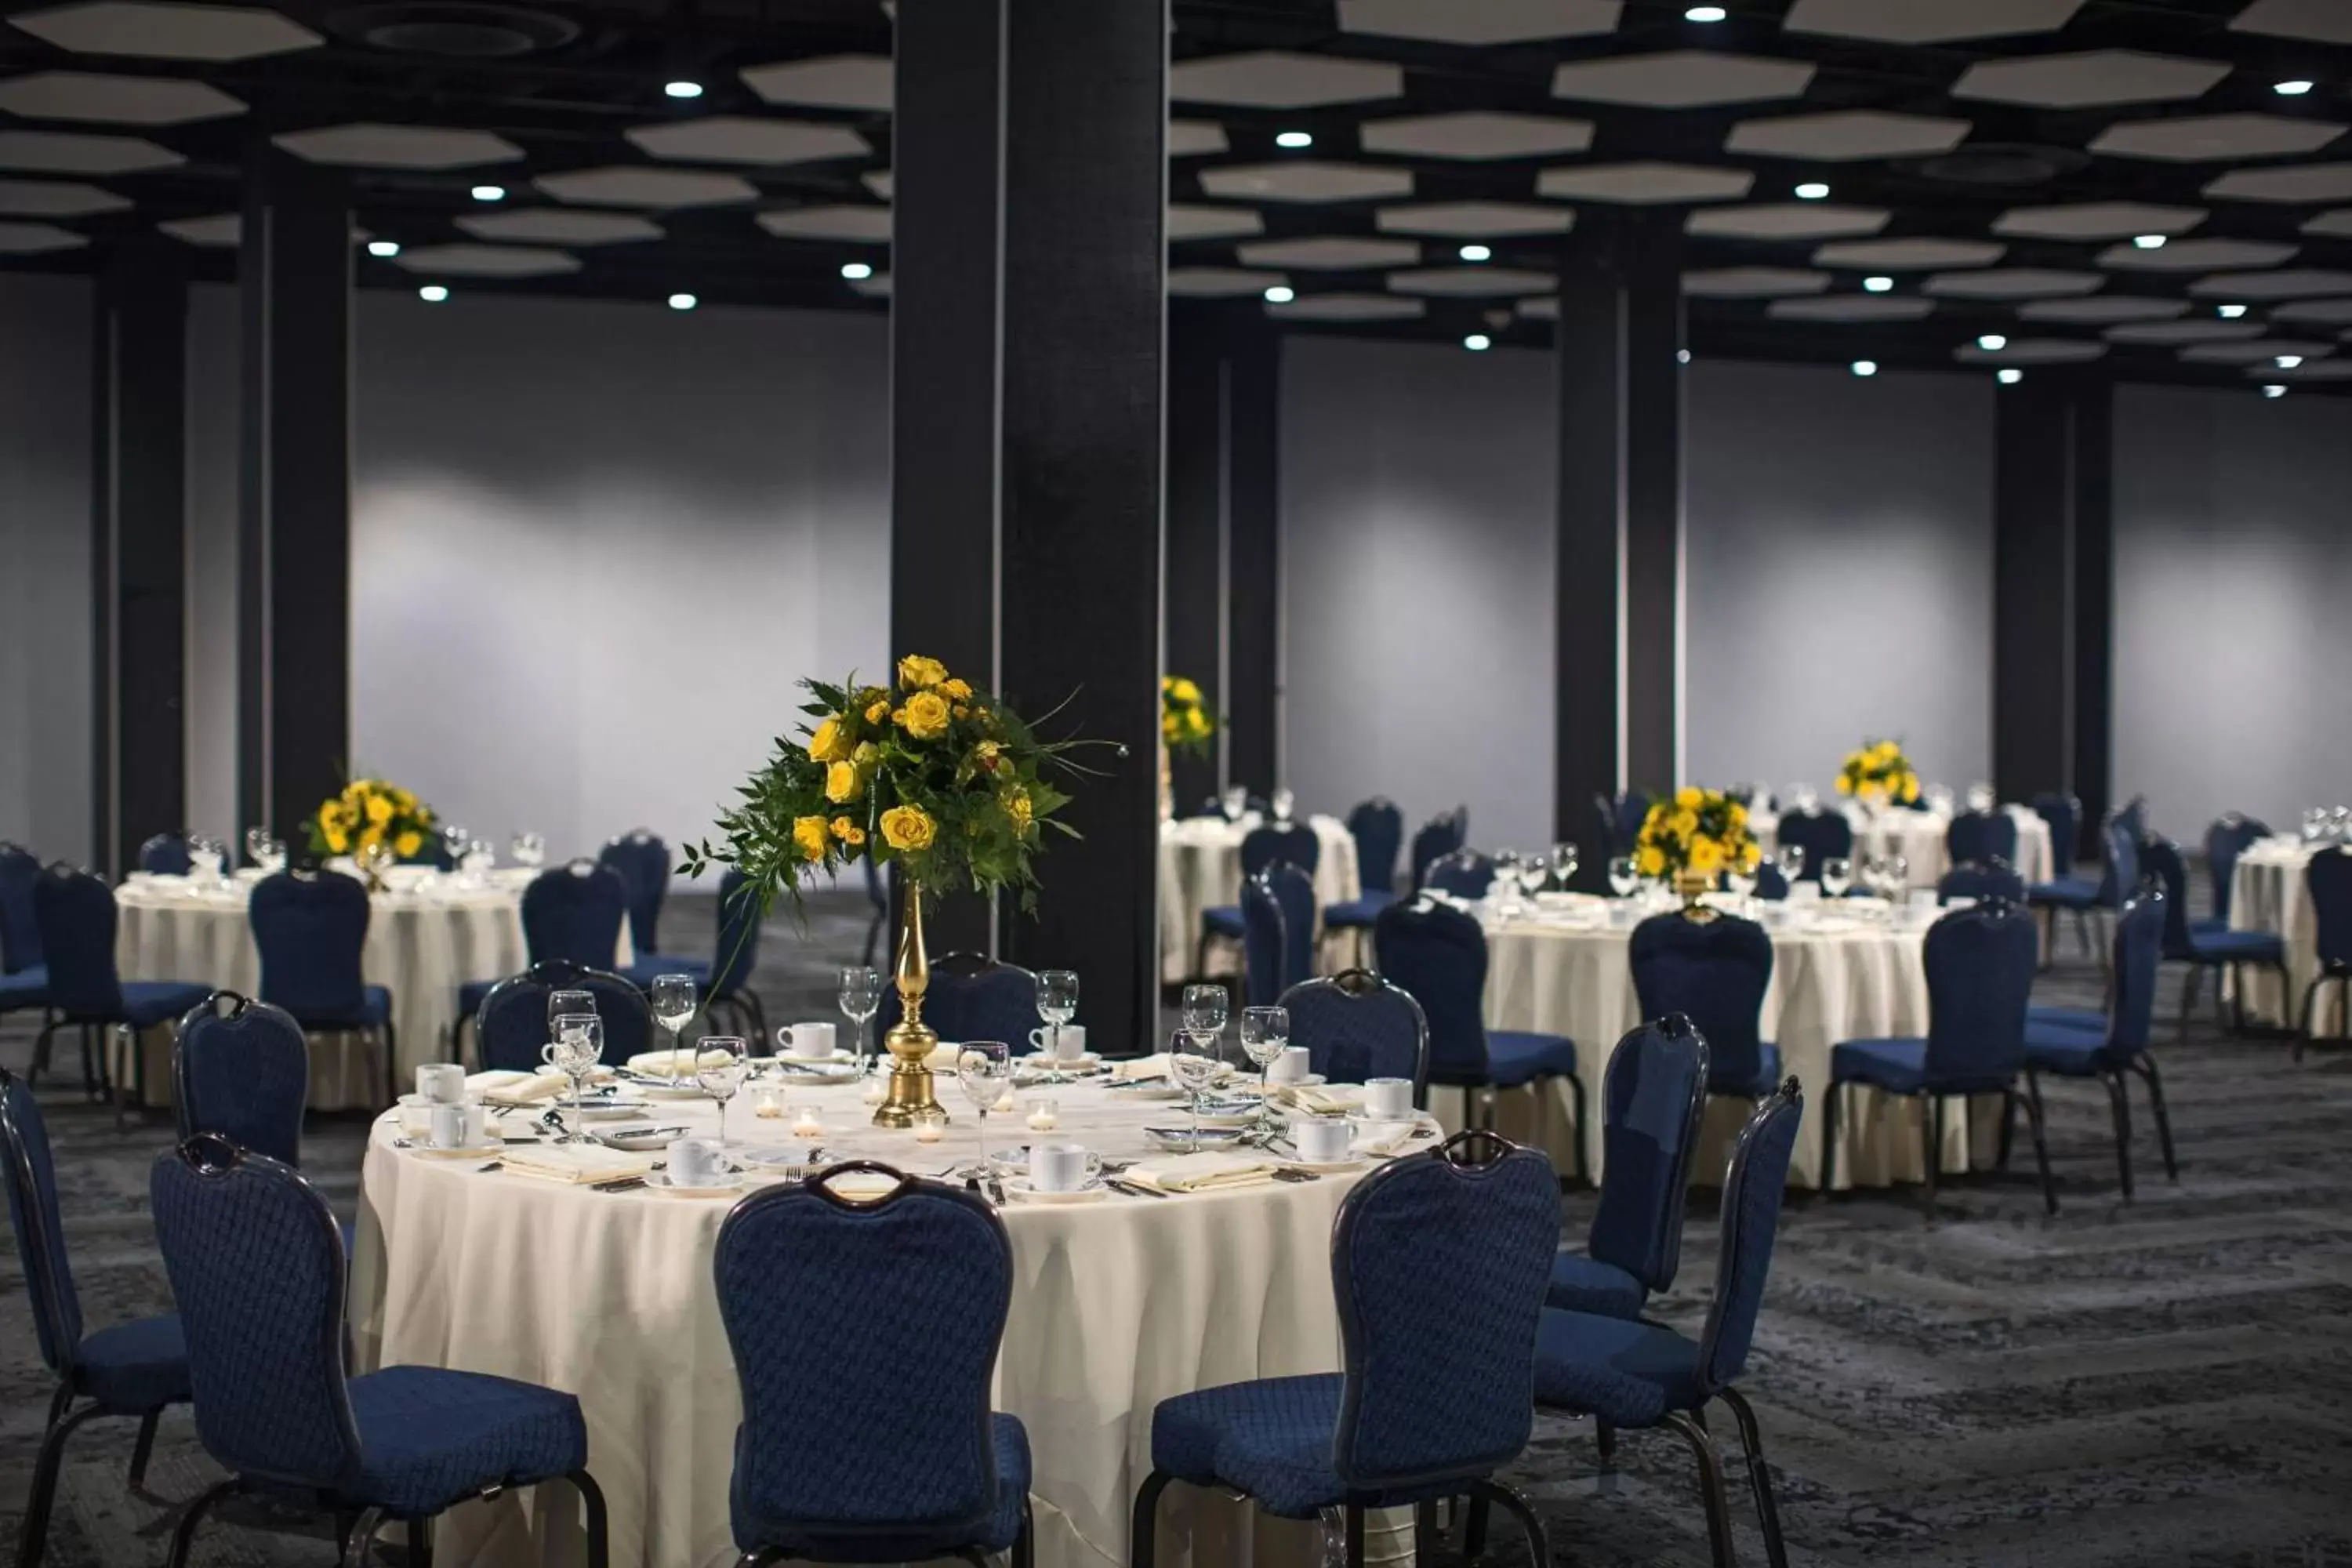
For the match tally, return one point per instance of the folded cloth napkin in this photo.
(526, 1087)
(1384, 1138)
(1319, 1101)
(943, 1056)
(576, 1162)
(1203, 1173)
(662, 1064)
(1141, 1067)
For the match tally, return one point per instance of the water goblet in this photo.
(1898, 878)
(1232, 801)
(528, 850)
(719, 1070)
(254, 837)
(1505, 886)
(983, 1067)
(578, 1044)
(1535, 870)
(1194, 1063)
(207, 855)
(1564, 856)
(1790, 858)
(860, 999)
(1623, 876)
(454, 839)
(1837, 876)
(1266, 1031)
(1283, 802)
(673, 999)
(1058, 1004)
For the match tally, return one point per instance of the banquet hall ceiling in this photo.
(1995, 169)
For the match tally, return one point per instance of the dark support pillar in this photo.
(140, 529)
(1197, 384)
(1084, 339)
(1621, 519)
(2094, 573)
(295, 539)
(1254, 561)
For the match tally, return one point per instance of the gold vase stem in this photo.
(913, 1095)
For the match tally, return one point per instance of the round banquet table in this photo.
(1855, 974)
(1201, 867)
(427, 935)
(1117, 1304)
(1919, 837)
(2267, 892)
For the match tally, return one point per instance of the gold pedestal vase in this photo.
(913, 1095)
(1692, 887)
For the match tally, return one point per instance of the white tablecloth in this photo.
(2267, 893)
(1919, 837)
(1834, 978)
(1201, 867)
(1117, 1305)
(426, 937)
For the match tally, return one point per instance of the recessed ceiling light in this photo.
(433, 293)
(1280, 294)
(2009, 377)
(1295, 139)
(683, 89)
(1866, 367)
(1681, 356)
(1705, 14)
(1992, 342)
(382, 248)
(2288, 362)
(2229, 312)
(490, 193)
(1476, 253)
(1878, 285)
(2291, 88)
(2149, 241)
(1812, 191)
(855, 270)
(2273, 390)
(1477, 342)
(683, 301)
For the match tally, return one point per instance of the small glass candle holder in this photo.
(767, 1100)
(877, 1090)
(930, 1127)
(1044, 1112)
(808, 1121)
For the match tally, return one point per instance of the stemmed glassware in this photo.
(1897, 871)
(1204, 1025)
(576, 1045)
(983, 1067)
(719, 1070)
(1283, 803)
(1058, 1004)
(1790, 858)
(1837, 876)
(1506, 885)
(206, 857)
(1265, 1032)
(255, 837)
(528, 850)
(861, 998)
(1535, 870)
(673, 999)
(1564, 858)
(454, 839)
(1233, 802)
(1623, 876)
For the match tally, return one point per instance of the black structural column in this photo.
(138, 493)
(295, 539)
(1252, 560)
(1621, 518)
(2053, 592)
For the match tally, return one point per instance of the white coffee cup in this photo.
(444, 1083)
(1058, 1167)
(1388, 1098)
(1067, 1046)
(809, 1042)
(1291, 1067)
(460, 1126)
(1321, 1140)
(694, 1162)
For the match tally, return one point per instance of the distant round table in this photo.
(1919, 837)
(1853, 974)
(1201, 867)
(2267, 892)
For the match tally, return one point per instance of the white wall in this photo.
(1417, 560)
(45, 560)
(1838, 550)
(2234, 604)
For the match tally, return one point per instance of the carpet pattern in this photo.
(2162, 1382)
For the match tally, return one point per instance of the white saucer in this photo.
(1150, 1089)
(1086, 1061)
(1020, 1188)
(1305, 1080)
(1328, 1167)
(659, 1181)
(475, 1151)
(639, 1140)
(671, 1090)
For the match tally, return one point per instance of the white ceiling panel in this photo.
(1928, 21)
(2097, 220)
(1680, 79)
(559, 226)
(1474, 219)
(2314, 21)
(1645, 183)
(1350, 308)
(631, 185)
(862, 226)
(1469, 282)
(741, 139)
(2323, 313)
(1753, 282)
(33, 238)
(2196, 255)
(222, 230)
(2256, 351)
(1479, 22)
(1845, 135)
(71, 153)
(1306, 180)
(829, 81)
(57, 198)
(1277, 78)
(1851, 307)
(463, 260)
(2095, 78)
(1329, 252)
(1909, 255)
(1194, 138)
(2334, 224)
(2301, 282)
(1196, 220)
(2014, 283)
(162, 32)
(2167, 333)
(1476, 134)
(2216, 138)
(1220, 282)
(2033, 351)
(2296, 183)
(2102, 310)
(377, 146)
(114, 100)
(1787, 220)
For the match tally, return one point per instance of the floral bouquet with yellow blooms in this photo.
(1185, 721)
(369, 813)
(1880, 773)
(1700, 832)
(933, 775)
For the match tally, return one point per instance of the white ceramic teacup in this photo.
(460, 1126)
(1058, 1167)
(1290, 1066)
(1067, 1046)
(809, 1042)
(1388, 1098)
(1321, 1140)
(694, 1162)
(444, 1083)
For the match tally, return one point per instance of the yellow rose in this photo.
(1654, 818)
(1183, 691)
(1651, 861)
(957, 690)
(407, 845)
(1690, 799)
(847, 831)
(1844, 784)
(1018, 808)
(1910, 788)
(842, 783)
(1197, 726)
(1706, 856)
(337, 840)
(379, 810)
(924, 716)
(878, 713)
(908, 827)
(1738, 814)
(961, 711)
(916, 672)
(808, 834)
(829, 744)
(984, 756)
(1751, 854)
(1683, 824)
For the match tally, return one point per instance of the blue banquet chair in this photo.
(1356, 1026)
(257, 1264)
(641, 860)
(1463, 873)
(1983, 837)
(572, 914)
(1822, 835)
(724, 978)
(1715, 972)
(2106, 1048)
(241, 1069)
(24, 976)
(2202, 947)
(1979, 964)
(2328, 880)
(1441, 836)
(1262, 943)
(136, 1368)
(1652, 1098)
(2064, 815)
(1982, 880)
(1620, 817)
(311, 929)
(1437, 1265)
(972, 997)
(1636, 1375)
(512, 1024)
(2119, 879)
(1378, 829)
(166, 855)
(1771, 882)
(1288, 843)
(1437, 955)
(900, 1469)
(2228, 838)
(77, 917)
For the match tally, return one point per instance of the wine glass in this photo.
(1739, 881)
(1790, 858)
(674, 998)
(1505, 883)
(454, 839)
(1622, 878)
(1535, 870)
(1282, 801)
(983, 1067)
(719, 1070)
(1837, 876)
(1205, 1012)
(1898, 878)
(1564, 856)
(1266, 1031)
(1058, 1004)
(254, 837)
(269, 854)
(1233, 802)
(577, 1044)
(528, 850)
(207, 856)
(861, 998)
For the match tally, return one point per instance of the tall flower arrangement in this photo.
(1185, 721)
(369, 813)
(1879, 774)
(1700, 832)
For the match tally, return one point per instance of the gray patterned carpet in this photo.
(2165, 1382)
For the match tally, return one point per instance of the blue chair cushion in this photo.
(1514, 1057)
(1221, 920)
(28, 987)
(2066, 893)
(2238, 947)
(136, 1366)
(1899, 1065)
(430, 1437)
(1627, 1374)
(2085, 1018)
(1767, 1079)
(1007, 1436)
(375, 1011)
(1588, 1284)
(648, 964)
(2208, 923)
(147, 1003)
(1270, 1438)
(2070, 1053)
(1352, 914)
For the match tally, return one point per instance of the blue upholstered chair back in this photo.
(2138, 950)
(2063, 813)
(2120, 879)
(20, 932)
(1378, 829)
(165, 854)
(1652, 1097)
(1716, 975)
(1440, 835)
(241, 1070)
(641, 860)
(972, 998)
(1982, 836)
(1822, 835)
(512, 1024)
(573, 913)
(1295, 845)
(1262, 941)
(2159, 858)
(32, 1178)
(76, 914)
(1293, 889)
(741, 915)
(1772, 885)
(1971, 879)
(1980, 965)
(2230, 837)
(2328, 878)
(257, 1270)
(1438, 1269)
(1628, 811)
(1356, 1026)
(1464, 873)
(922, 1278)
(1438, 956)
(312, 927)
(1752, 1190)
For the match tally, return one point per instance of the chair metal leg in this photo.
(420, 1544)
(1759, 1478)
(1583, 1162)
(2145, 1066)
(33, 1537)
(1025, 1545)
(1829, 1137)
(50, 1025)
(184, 1535)
(1354, 1513)
(2041, 1145)
(1605, 1438)
(1516, 1503)
(1931, 1127)
(1710, 1486)
(144, 1449)
(1424, 1534)
(1143, 1524)
(1474, 1529)
(355, 1550)
(391, 1064)
(2008, 1128)
(592, 1498)
(2188, 997)
(2119, 1102)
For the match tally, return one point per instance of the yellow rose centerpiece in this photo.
(1185, 721)
(1693, 835)
(1879, 774)
(372, 822)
